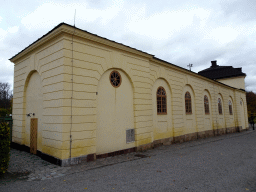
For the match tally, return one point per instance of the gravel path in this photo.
(224, 163)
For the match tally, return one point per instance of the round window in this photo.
(115, 79)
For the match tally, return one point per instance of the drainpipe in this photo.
(72, 81)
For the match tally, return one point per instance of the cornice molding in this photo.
(94, 38)
(182, 70)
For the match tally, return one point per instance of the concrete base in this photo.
(49, 158)
(145, 147)
(121, 152)
(154, 144)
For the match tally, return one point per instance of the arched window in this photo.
(230, 107)
(188, 106)
(206, 105)
(161, 101)
(219, 106)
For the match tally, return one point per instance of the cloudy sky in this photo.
(177, 31)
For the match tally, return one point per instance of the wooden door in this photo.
(33, 135)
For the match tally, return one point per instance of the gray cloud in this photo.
(244, 9)
(179, 32)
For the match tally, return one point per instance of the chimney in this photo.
(214, 63)
(239, 69)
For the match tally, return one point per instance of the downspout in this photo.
(72, 81)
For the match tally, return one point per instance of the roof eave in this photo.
(240, 75)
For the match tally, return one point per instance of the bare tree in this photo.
(5, 95)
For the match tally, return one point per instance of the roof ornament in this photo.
(190, 65)
(75, 19)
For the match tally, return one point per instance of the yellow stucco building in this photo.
(78, 97)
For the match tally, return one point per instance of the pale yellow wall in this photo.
(237, 82)
(221, 122)
(230, 118)
(44, 63)
(242, 113)
(175, 81)
(162, 123)
(34, 104)
(93, 59)
(207, 118)
(92, 63)
(178, 81)
(114, 114)
(189, 120)
(18, 113)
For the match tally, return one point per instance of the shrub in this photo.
(3, 112)
(4, 147)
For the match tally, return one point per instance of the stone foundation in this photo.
(154, 144)
(145, 147)
(205, 134)
(160, 142)
(121, 152)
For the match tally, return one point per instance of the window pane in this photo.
(219, 106)
(161, 100)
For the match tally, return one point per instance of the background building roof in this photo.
(221, 72)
